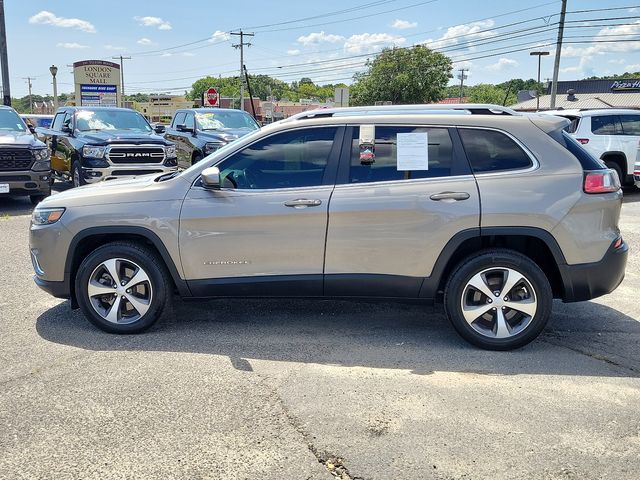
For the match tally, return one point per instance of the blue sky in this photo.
(174, 43)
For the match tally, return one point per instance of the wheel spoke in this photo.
(139, 304)
(513, 278)
(478, 282)
(113, 315)
(528, 307)
(502, 330)
(96, 289)
(112, 267)
(473, 312)
(138, 278)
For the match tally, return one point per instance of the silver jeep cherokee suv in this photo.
(493, 212)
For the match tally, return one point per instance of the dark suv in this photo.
(198, 132)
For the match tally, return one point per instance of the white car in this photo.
(612, 135)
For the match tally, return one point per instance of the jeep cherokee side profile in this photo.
(491, 212)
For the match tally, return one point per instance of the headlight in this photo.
(212, 147)
(92, 151)
(170, 151)
(46, 216)
(41, 154)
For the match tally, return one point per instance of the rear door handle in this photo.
(303, 203)
(451, 196)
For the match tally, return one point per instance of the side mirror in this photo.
(183, 128)
(66, 129)
(210, 178)
(160, 129)
(31, 128)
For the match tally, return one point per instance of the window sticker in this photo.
(367, 144)
(413, 151)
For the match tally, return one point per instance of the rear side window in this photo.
(492, 151)
(382, 166)
(630, 124)
(606, 125)
(588, 161)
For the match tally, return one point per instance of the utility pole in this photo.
(28, 79)
(462, 76)
(4, 59)
(121, 77)
(556, 63)
(241, 46)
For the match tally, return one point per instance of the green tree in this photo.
(403, 75)
(486, 93)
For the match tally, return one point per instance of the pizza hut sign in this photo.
(620, 85)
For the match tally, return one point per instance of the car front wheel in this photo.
(123, 287)
(498, 300)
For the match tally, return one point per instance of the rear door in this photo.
(397, 204)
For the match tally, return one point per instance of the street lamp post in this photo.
(538, 54)
(54, 71)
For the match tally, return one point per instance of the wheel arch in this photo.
(619, 158)
(92, 238)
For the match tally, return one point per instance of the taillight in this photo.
(583, 141)
(601, 181)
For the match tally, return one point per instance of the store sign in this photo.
(625, 85)
(97, 83)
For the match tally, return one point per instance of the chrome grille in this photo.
(15, 159)
(136, 154)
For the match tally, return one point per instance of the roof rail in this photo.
(426, 109)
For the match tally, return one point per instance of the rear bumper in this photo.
(590, 280)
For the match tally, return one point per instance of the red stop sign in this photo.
(211, 97)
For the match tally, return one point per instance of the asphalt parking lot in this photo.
(313, 389)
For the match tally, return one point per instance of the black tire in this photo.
(196, 158)
(158, 279)
(76, 175)
(36, 199)
(618, 170)
(478, 332)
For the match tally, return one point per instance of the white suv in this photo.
(612, 135)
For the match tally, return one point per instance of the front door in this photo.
(264, 232)
(399, 200)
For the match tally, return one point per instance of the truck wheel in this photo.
(498, 300)
(76, 175)
(123, 287)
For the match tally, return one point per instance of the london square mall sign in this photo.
(97, 83)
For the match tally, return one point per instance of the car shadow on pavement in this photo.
(581, 339)
(631, 195)
(15, 206)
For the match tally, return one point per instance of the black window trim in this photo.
(330, 172)
(459, 158)
(535, 164)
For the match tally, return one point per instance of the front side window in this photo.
(286, 160)
(606, 125)
(57, 121)
(179, 119)
(189, 122)
(386, 160)
(492, 151)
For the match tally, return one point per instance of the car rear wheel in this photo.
(123, 287)
(498, 300)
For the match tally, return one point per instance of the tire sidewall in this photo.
(534, 275)
(158, 286)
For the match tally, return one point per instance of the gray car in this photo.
(491, 212)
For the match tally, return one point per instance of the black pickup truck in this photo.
(90, 144)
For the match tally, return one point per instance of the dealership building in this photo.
(585, 94)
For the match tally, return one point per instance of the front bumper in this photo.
(94, 175)
(57, 289)
(591, 280)
(26, 182)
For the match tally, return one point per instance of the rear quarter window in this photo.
(588, 161)
(493, 151)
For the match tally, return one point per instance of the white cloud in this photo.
(145, 41)
(219, 36)
(153, 22)
(167, 54)
(113, 47)
(319, 37)
(295, 51)
(71, 45)
(188, 54)
(403, 24)
(632, 68)
(370, 42)
(465, 34)
(503, 64)
(48, 18)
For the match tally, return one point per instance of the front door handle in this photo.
(303, 203)
(451, 196)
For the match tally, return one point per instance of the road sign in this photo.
(341, 97)
(211, 98)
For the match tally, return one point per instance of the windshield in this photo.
(9, 120)
(222, 120)
(111, 120)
